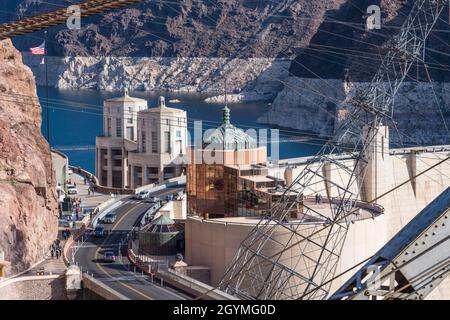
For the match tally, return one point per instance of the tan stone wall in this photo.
(34, 288)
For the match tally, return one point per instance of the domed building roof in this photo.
(162, 224)
(228, 137)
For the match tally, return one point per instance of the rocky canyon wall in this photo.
(251, 79)
(28, 202)
(421, 111)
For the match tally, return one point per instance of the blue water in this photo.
(76, 119)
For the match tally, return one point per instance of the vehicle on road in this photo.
(71, 189)
(99, 231)
(110, 218)
(69, 171)
(109, 256)
(154, 199)
(143, 195)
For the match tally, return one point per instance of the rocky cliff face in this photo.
(343, 55)
(421, 112)
(189, 45)
(286, 50)
(28, 207)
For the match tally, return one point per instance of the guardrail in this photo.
(99, 188)
(103, 189)
(103, 209)
(109, 205)
(151, 211)
(174, 182)
(178, 280)
(101, 289)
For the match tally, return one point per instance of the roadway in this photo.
(117, 275)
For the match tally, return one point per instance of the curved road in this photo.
(116, 275)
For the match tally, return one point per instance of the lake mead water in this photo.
(76, 119)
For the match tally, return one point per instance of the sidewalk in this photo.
(88, 200)
(49, 265)
(57, 266)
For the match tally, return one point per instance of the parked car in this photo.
(62, 223)
(69, 171)
(109, 256)
(110, 218)
(99, 231)
(143, 195)
(71, 189)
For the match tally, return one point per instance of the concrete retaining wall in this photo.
(181, 281)
(101, 289)
(34, 288)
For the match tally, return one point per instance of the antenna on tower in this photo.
(226, 93)
(226, 110)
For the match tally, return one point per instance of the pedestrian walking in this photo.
(317, 198)
(85, 180)
(57, 254)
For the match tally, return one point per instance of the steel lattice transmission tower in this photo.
(283, 258)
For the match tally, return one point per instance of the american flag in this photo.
(38, 50)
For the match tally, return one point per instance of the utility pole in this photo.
(46, 90)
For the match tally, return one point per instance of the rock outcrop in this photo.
(344, 55)
(28, 202)
(421, 111)
(189, 45)
(258, 78)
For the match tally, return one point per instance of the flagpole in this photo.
(46, 89)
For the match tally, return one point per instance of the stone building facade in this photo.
(139, 145)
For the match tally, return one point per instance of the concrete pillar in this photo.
(98, 168)
(144, 175)
(110, 167)
(373, 169)
(132, 182)
(161, 173)
(125, 181)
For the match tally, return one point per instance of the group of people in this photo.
(66, 233)
(77, 208)
(55, 249)
(318, 198)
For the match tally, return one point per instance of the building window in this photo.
(118, 127)
(130, 133)
(143, 122)
(152, 170)
(167, 121)
(167, 141)
(130, 120)
(108, 125)
(154, 142)
(144, 142)
(117, 163)
(179, 121)
(178, 134)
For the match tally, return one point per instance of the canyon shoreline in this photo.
(304, 104)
